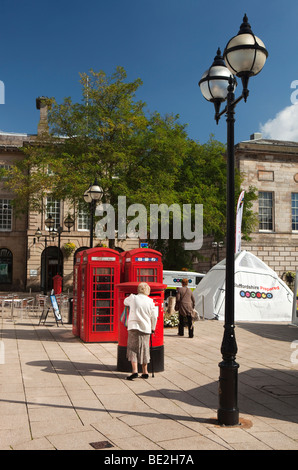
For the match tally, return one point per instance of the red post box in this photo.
(100, 273)
(77, 290)
(142, 265)
(157, 350)
(57, 284)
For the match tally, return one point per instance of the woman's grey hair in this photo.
(144, 288)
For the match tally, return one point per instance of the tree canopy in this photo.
(147, 157)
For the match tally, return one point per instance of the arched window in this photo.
(5, 266)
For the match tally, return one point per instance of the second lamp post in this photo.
(92, 195)
(244, 56)
(49, 223)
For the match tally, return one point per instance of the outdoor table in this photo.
(11, 300)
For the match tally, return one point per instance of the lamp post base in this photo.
(228, 412)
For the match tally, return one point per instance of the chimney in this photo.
(256, 136)
(42, 105)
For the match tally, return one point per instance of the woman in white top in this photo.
(141, 323)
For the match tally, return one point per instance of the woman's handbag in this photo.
(124, 316)
(195, 316)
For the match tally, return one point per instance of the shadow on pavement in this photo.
(276, 331)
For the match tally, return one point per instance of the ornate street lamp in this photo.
(218, 246)
(93, 194)
(49, 223)
(69, 223)
(244, 56)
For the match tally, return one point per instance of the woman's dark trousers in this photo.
(182, 319)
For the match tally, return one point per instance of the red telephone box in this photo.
(100, 273)
(77, 288)
(123, 256)
(142, 265)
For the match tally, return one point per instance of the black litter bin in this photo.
(70, 309)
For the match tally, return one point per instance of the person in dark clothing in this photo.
(185, 303)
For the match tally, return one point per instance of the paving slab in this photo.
(59, 393)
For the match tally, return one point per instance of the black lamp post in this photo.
(92, 195)
(49, 223)
(244, 56)
(68, 222)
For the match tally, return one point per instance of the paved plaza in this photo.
(57, 392)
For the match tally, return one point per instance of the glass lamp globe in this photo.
(38, 233)
(95, 191)
(69, 222)
(49, 222)
(53, 233)
(87, 196)
(214, 82)
(245, 54)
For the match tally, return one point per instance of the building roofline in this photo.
(259, 146)
(281, 143)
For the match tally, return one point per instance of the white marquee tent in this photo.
(260, 295)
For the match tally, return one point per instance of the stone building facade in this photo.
(26, 262)
(272, 167)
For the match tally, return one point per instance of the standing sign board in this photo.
(55, 308)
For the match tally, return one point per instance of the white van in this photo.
(173, 280)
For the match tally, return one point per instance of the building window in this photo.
(265, 210)
(294, 211)
(53, 209)
(83, 219)
(4, 166)
(5, 215)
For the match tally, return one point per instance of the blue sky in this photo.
(167, 43)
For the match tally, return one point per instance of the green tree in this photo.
(99, 135)
(158, 155)
(203, 181)
(200, 178)
(148, 158)
(87, 140)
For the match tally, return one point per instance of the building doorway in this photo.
(5, 266)
(51, 264)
